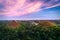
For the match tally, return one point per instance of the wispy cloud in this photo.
(23, 7)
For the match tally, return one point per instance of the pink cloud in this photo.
(22, 7)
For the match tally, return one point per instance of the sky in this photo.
(48, 11)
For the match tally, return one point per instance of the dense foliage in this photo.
(33, 32)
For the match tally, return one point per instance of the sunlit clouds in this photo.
(24, 7)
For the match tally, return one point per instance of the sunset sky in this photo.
(49, 11)
(48, 14)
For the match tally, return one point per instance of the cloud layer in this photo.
(23, 7)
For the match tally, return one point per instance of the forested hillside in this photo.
(29, 30)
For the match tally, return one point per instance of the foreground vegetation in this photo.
(27, 32)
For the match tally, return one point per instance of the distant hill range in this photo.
(32, 21)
